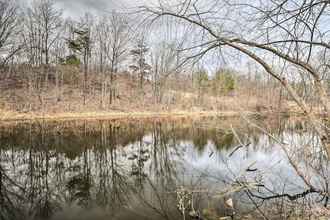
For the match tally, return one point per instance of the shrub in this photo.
(224, 82)
(71, 60)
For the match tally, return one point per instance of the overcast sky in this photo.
(77, 8)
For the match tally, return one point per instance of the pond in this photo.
(161, 169)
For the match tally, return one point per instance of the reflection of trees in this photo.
(306, 191)
(223, 141)
(162, 177)
(79, 189)
(46, 166)
(28, 175)
(200, 139)
(9, 197)
(163, 166)
(45, 174)
(36, 181)
(111, 180)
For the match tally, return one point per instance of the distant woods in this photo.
(288, 40)
(120, 61)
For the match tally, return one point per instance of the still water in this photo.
(151, 169)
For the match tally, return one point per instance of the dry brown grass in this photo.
(13, 116)
(65, 103)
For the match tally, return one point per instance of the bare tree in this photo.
(163, 62)
(51, 22)
(118, 39)
(42, 26)
(113, 39)
(8, 30)
(206, 18)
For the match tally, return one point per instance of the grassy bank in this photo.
(23, 99)
(13, 116)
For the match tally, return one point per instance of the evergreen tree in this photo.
(81, 44)
(140, 65)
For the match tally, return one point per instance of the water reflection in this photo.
(116, 170)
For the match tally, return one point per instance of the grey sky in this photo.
(77, 8)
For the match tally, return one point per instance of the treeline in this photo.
(44, 53)
(40, 39)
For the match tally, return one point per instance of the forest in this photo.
(164, 109)
(96, 64)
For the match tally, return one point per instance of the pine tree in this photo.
(81, 44)
(140, 65)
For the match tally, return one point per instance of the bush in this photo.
(224, 82)
(201, 78)
(71, 60)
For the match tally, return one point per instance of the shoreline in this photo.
(69, 116)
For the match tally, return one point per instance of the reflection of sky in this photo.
(270, 160)
(266, 156)
(190, 165)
